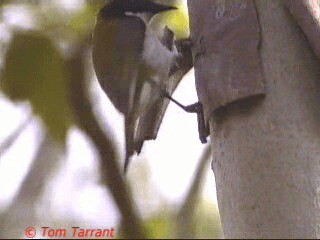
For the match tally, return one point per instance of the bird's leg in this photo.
(193, 108)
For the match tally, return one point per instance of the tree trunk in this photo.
(266, 157)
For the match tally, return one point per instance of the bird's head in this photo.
(120, 8)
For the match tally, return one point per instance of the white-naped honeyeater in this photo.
(129, 59)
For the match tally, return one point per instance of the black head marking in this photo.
(118, 8)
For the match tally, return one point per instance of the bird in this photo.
(129, 59)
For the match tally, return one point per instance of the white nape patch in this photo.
(145, 17)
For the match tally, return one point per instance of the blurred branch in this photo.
(22, 211)
(185, 217)
(8, 142)
(85, 118)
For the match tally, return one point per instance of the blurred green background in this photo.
(49, 169)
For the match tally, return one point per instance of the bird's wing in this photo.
(117, 58)
(117, 48)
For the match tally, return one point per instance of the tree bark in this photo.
(266, 156)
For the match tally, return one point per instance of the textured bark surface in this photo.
(225, 36)
(267, 150)
(307, 15)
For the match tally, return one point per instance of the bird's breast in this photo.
(156, 55)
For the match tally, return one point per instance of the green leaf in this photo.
(34, 71)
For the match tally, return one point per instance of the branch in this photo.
(8, 142)
(85, 118)
(185, 215)
(22, 210)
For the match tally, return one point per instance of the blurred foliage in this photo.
(83, 21)
(207, 222)
(34, 63)
(160, 225)
(3, 2)
(34, 71)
